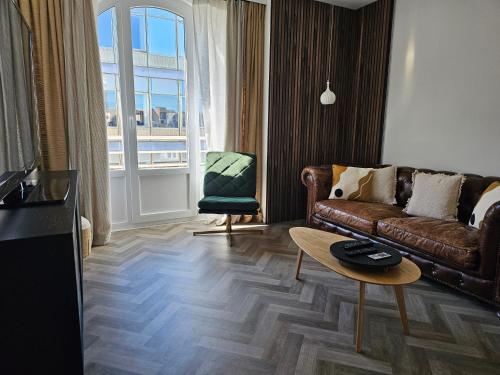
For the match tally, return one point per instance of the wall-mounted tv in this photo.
(19, 129)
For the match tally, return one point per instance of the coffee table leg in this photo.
(300, 254)
(361, 308)
(400, 297)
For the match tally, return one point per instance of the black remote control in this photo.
(353, 245)
(364, 251)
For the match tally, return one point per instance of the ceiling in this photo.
(352, 4)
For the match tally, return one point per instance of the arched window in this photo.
(145, 49)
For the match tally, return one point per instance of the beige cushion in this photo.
(364, 184)
(490, 196)
(435, 196)
(383, 188)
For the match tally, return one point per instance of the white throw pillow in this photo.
(435, 196)
(490, 196)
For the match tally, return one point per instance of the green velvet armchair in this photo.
(229, 188)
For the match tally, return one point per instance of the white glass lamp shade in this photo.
(328, 97)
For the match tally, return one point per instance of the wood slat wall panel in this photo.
(302, 131)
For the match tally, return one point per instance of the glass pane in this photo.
(181, 48)
(138, 11)
(106, 32)
(105, 27)
(109, 81)
(162, 154)
(141, 109)
(157, 44)
(183, 112)
(161, 13)
(160, 101)
(165, 110)
(110, 108)
(164, 86)
(138, 26)
(141, 84)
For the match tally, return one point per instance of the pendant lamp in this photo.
(328, 97)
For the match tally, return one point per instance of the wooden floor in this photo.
(160, 301)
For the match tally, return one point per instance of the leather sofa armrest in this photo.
(489, 245)
(318, 181)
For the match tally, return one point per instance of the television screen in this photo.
(19, 139)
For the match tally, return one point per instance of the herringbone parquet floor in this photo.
(160, 301)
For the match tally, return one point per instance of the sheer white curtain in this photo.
(210, 19)
(210, 34)
(219, 29)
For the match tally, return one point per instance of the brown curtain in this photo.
(45, 19)
(71, 102)
(234, 62)
(252, 89)
(245, 75)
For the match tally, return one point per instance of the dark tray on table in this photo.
(363, 261)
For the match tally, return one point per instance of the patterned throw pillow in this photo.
(351, 183)
(364, 184)
(435, 195)
(490, 196)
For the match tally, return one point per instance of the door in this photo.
(146, 60)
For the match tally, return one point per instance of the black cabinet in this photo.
(41, 306)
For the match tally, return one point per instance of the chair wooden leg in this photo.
(197, 233)
(229, 223)
(247, 231)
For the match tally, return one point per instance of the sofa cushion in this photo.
(450, 241)
(435, 195)
(362, 216)
(217, 204)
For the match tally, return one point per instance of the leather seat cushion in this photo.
(217, 204)
(362, 216)
(450, 241)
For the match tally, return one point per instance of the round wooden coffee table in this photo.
(317, 243)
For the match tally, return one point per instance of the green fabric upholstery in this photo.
(230, 184)
(240, 204)
(230, 174)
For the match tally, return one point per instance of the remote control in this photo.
(357, 245)
(364, 251)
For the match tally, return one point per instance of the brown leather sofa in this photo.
(450, 252)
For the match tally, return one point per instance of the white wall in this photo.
(443, 109)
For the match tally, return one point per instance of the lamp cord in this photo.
(329, 61)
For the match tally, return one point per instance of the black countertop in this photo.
(42, 220)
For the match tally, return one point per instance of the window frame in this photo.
(182, 9)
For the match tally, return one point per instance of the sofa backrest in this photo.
(472, 189)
